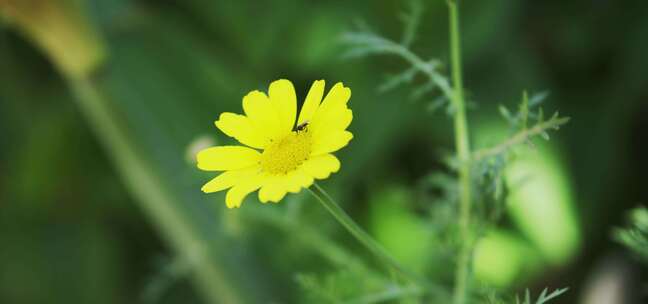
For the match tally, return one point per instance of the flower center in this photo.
(286, 154)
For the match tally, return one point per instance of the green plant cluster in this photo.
(96, 168)
(635, 236)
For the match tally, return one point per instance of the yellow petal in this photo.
(297, 180)
(228, 179)
(330, 142)
(241, 128)
(263, 115)
(283, 98)
(333, 110)
(227, 158)
(334, 120)
(312, 102)
(273, 189)
(237, 194)
(338, 96)
(321, 166)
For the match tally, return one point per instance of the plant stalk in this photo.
(62, 31)
(463, 154)
(362, 236)
(144, 183)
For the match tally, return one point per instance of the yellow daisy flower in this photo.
(279, 155)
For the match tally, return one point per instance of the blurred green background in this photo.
(70, 230)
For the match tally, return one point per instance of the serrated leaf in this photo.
(538, 98)
(422, 90)
(554, 116)
(543, 293)
(554, 294)
(411, 19)
(506, 114)
(635, 237)
(542, 298)
(395, 80)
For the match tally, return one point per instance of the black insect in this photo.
(302, 127)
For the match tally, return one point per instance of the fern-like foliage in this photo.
(520, 123)
(489, 163)
(353, 287)
(363, 42)
(542, 298)
(494, 297)
(635, 237)
(427, 80)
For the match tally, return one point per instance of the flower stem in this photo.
(144, 182)
(61, 29)
(362, 236)
(463, 154)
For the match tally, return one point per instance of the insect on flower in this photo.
(301, 127)
(279, 155)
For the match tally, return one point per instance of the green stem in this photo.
(61, 30)
(309, 236)
(463, 154)
(144, 183)
(362, 236)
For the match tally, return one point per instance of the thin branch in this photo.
(411, 19)
(367, 43)
(519, 138)
(361, 235)
(371, 244)
(325, 247)
(426, 68)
